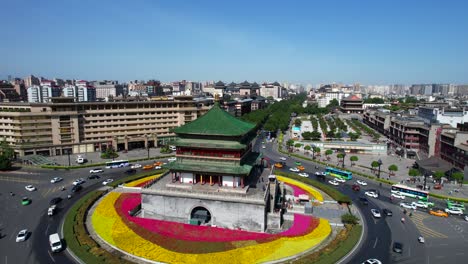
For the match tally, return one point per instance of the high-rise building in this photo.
(42, 93)
(31, 80)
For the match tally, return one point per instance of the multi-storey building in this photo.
(378, 120)
(443, 115)
(8, 92)
(274, 90)
(351, 105)
(81, 93)
(64, 126)
(106, 89)
(454, 148)
(31, 80)
(42, 93)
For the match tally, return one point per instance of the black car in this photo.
(398, 247)
(387, 212)
(76, 188)
(94, 176)
(55, 201)
(364, 200)
(130, 171)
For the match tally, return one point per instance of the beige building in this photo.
(63, 126)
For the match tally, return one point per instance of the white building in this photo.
(451, 116)
(42, 94)
(274, 90)
(82, 93)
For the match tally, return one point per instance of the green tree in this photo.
(353, 159)
(333, 103)
(316, 135)
(393, 168)
(6, 155)
(439, 174)
(297, 145)
(290, 143)
(328, 152)
(109, 153)
(414, 172)
(374, 164)
(458, 176)
(317, 150)
(349, 219)
(307, 135)
(297, 122)
(307, 148)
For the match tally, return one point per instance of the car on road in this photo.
(438, 212)
(94, 176)
(172, 159)
(397, 195)
(279, 165)
(408, 206)
(333, 182)
(56, 179)
(282, 158)
(356, 187)
(420, 204)
(304, 174)
(51, 210)
(107, 181)
(78, 181)
(157, 167)
(263, 147)
(30, 188)
(25, 200)
(22, 235)
(387, 212)
(361, 182)
(55, 201)
(298, 163)
(76, 188)
(454, 211)
(130, 171)
(363, 200)
(340, 180)
(96, 170)
(372, 261)
(376, 213)
(421, 240)
(294, 169)
(372, 194)
(135, 166)
(465, 217)
(301, 168)
(398, 247)
(148, 167)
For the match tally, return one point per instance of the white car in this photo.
(408, 206)
(376, 213)
(294, 169)
(135, 166)
(372, 261)
(107, 181)
(22, 235)
(454, 211)
(172, 159)
(361, 182)
(397, 195)
(78, 181)
(340, 180)
(282, 158)
(30, 188)
(96, 170)
(303, 174)
(372, 194)
(56, 179)
(420, 204)
(157, 167)
(333, 182)
(263, 147)
(466, 217)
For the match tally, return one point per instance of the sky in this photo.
(349, 41)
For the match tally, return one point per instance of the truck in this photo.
(51, 210)
(55, 242)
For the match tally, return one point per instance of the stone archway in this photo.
(201, 215)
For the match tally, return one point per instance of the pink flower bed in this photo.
(301, 226)
(297, 191)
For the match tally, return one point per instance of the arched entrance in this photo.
(200, 215)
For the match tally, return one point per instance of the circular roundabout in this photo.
(170, 242)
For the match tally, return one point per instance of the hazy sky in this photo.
(366, 41)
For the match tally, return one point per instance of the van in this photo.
(55, 242)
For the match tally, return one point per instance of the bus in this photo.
(455, 205)
(409, 191)
(117, 164)
(345, 175)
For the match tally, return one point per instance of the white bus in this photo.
(410, 191)
(117, 164)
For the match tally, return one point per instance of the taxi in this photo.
(301, 168)
(148, 167)
(438, 212)
(278, 165)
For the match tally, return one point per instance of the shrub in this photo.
(349, 219)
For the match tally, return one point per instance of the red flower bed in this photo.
(297, 191)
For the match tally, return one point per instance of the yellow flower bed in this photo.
(135, 183)
(110, 227)
(316, 194)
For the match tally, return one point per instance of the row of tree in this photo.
(6, 155)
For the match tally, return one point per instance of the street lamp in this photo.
(380, 164)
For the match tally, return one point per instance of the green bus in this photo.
(345, 175)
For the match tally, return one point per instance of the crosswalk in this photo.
(418, 219)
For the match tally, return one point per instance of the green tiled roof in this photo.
(209, 168)
(207, 143)
(216, 122)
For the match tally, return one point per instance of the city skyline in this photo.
(365, 42)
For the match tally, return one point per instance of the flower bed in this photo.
(312, 191)
(141, 182)
(180, 243)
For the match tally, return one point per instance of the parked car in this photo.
(437, 186)
(135, 166)
(56, 179)
(398, 247)
(107, 181)
(96, 170)
(22, 235)
(333, 182)
(454, 211)
(387, 212)
(55, 201)
(376, 213)
(438, 212)
(408, 206)
(372, 194)
(30, 188)
(25, 200)
(361, 182)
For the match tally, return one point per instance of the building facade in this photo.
(352, 105)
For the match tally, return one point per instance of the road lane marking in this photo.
(376, 239)
(50, 256)
(418, 218)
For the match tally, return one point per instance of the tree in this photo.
(307, 135)
(353, 136)
(439, 174)
(290, 143)
(392, 168)
(458, 176)
(353, 159)
(414, 172)
(109, 153)
(333, 103)
(6, 155)
(297, 122)
(349, 219)
(374, 165)
(307, 148)
(328, 152)
(338, 135)
(317, 150)
(316, 135)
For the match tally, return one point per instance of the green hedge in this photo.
(334, 193)
(99, 164)
(136, 177)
